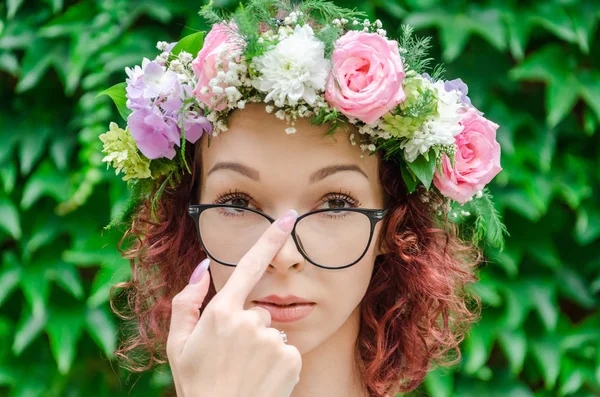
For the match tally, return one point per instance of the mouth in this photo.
(287, 313)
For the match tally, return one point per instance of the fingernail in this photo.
(286, 222)
(199, 271)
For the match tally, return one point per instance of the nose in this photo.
(288, 258)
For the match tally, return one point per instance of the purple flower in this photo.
(154, 136)
(460, 86)
(195, 125)
(427, 77)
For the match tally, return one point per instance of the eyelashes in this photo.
(341, 196)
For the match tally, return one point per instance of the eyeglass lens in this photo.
(330, 238)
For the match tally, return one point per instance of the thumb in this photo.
(185, 308)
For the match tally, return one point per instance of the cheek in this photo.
(220, 274)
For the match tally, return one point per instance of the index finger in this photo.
(254, 263)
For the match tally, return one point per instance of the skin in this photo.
(282, 166)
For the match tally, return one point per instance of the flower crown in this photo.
(315, 60)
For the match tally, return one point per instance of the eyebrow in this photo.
(316, 176)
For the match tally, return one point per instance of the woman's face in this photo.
(256, 164)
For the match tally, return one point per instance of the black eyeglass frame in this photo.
(374, 215)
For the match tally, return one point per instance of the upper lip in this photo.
(282, 300)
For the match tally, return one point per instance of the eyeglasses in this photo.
(328, 238)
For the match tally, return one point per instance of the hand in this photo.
(229, 351)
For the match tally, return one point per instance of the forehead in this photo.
(258, 139)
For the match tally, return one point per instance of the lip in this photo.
(285, 309)
(287, 314)
(282, 300)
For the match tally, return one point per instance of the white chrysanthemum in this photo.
(294, 69)
(439, 130)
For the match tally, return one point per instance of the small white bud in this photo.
(290, 130)
(217, 90)
(269, 108)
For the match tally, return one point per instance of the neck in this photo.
(330, 369)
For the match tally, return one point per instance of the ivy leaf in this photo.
(9, 218)
(560, 99)
(118, 94)
(543, 296)
(423, 169)
(554, 18)
(101, 327)
(67, 277)
(13, 7)
(191, 43)
(519, 30)
(104, 280)
(9, 280)
(439, 383)
(30, 326)
(46, 180)
(546, 352)
(590, 90)
(514, 345)
(64, 330)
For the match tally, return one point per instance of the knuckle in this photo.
(293, 358)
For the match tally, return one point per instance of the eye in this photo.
(235, 197)
(340, 200)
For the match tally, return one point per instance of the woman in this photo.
(332, 272)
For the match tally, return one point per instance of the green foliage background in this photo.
(533, 66)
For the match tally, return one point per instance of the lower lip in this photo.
(283, 314)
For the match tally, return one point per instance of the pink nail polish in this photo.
(199, 271)
(286, 222)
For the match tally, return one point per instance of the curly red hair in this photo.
(414, 314)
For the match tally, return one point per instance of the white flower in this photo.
(162, 45)
(294, 69)
(185, 57)
(438, 130)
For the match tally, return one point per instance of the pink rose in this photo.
(218, 42)
(366, 76)
(477, 159)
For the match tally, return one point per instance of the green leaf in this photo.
(118, 94)
(554, 18)
(547, 355)
(45, 181)
(423, 169)
(478, 345)
(9, 280)
(587, 226)
(519, 31)
(440, 383)
(547, 64)
(67, 277)
(33, 144)
(543, 296)
(514, 345)
(454, 36)
(13, 7)
(410, 180)
(590, 90)
(560, 99)
(30, 326)
(9, 62)
(104, 280)
(64, 330)
(191, 43)
(8, 177)
(9, 218)
(101, 327)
